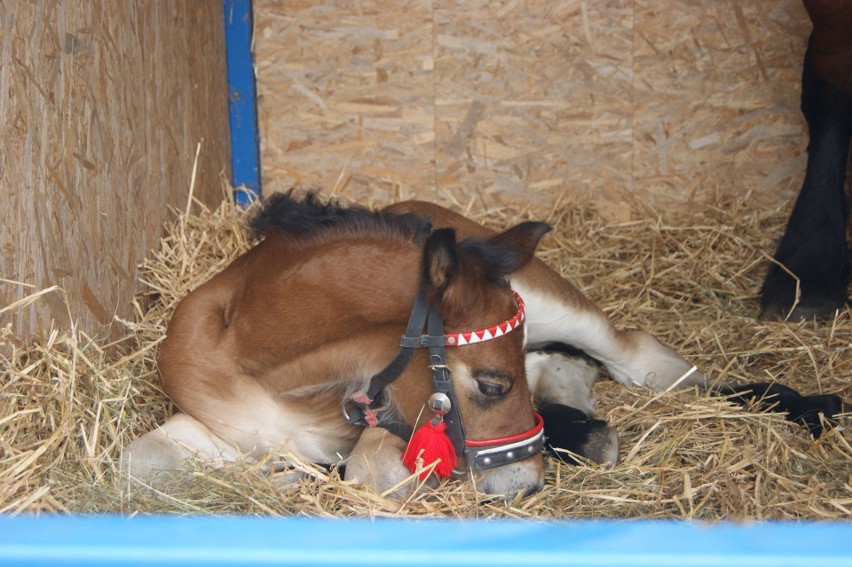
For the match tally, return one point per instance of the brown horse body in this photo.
(260, 358)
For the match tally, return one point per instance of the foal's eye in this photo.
(490, 388)
(492, 383)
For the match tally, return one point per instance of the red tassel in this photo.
(432, 440)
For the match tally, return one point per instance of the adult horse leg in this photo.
(812, 269)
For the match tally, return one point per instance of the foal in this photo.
(261, 358)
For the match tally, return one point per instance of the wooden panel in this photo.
(534, 99)
(102, 105)
(482, 101)
(346, 95)
(716, 104)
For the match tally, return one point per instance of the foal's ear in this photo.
(521, 241)
(441, 260)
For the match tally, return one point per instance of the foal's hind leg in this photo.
(558, 312)
(554, 377)
(568, 432)
(163, 454)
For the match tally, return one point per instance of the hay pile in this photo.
(69, 403)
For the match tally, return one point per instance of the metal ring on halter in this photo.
(440, 404)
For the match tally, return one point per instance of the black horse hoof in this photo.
(814, 412)
(816, 300)
(568, 431)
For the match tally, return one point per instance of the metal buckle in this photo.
(359, 411)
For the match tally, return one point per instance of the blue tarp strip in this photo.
(166, 541)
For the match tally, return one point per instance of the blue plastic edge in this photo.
(242, 106)
(166, 540)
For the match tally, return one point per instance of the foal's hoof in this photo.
(283, 474)
(569, 431)
(602, 444)
(814, 412)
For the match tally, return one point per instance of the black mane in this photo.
(308, 216)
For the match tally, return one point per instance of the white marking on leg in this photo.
(559, 379)
(170, 447)
(631, 357)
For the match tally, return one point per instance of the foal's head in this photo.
(468, 281)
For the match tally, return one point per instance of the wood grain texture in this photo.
(102, 105)
(483, 102)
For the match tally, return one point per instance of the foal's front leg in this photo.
(562, 388)
(167, 452)
(376, 461)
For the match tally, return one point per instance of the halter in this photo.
(365, 408)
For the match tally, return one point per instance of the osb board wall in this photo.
(522, 100)
(102, 106)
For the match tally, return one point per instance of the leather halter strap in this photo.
(442, 380)
(364, 407)
(410, 342)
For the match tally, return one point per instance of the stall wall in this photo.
(102, 107)
(487, 102)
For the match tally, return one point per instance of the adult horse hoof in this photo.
(816, 300)
(602, 445)
(784, 312)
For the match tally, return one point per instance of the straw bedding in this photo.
(69, 403)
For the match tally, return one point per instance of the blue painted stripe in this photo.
(167, 541)
(242, 102)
